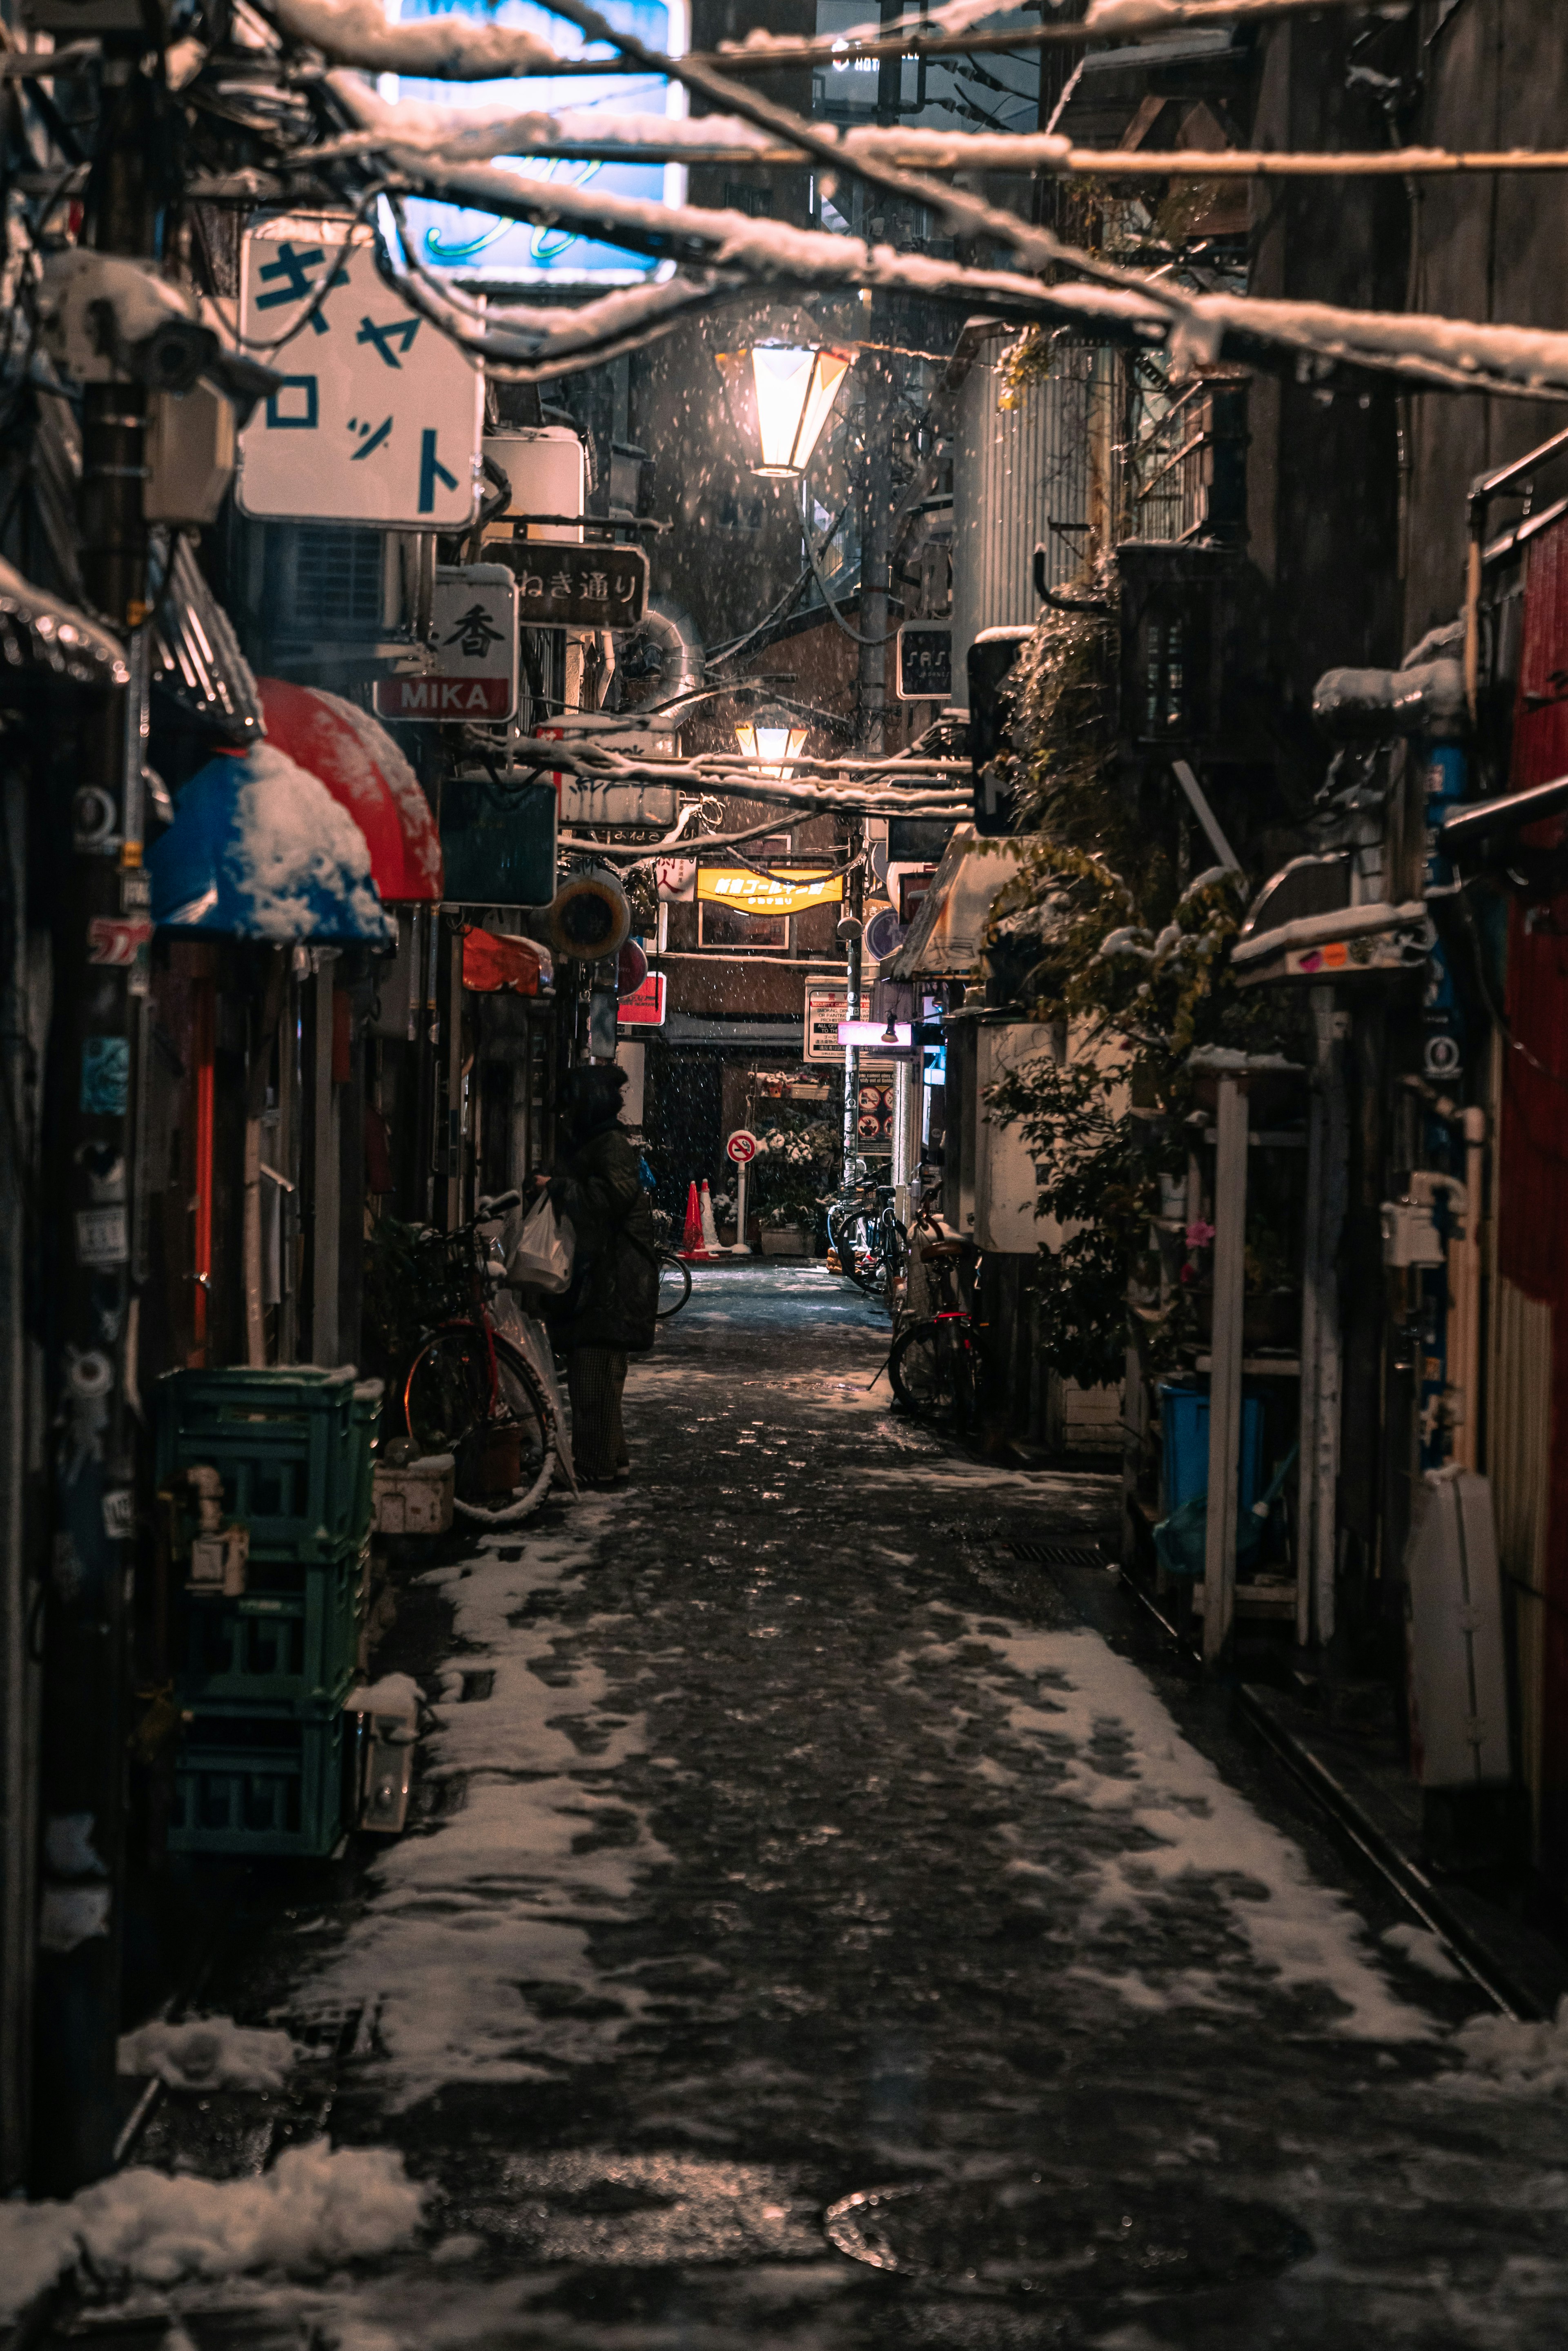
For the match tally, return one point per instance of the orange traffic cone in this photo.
(692, 1241)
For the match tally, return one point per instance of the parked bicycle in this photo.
(935, 1366)
(482, 1384)
(866, 1242)
(675, 1273)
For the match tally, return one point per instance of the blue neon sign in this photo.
(482, 249)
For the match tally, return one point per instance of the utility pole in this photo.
(89, 1323)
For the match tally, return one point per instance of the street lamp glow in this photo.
(773, 740)
(796, 388)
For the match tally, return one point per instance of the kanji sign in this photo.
(742, 1146)
(378, 417)
(644, 1006)
(826, 1005)
(782, 892)
(571, 587)
(474, 650)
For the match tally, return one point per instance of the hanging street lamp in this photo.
(784, 399)
(773, 740)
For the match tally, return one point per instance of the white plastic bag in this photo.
(543, 1255)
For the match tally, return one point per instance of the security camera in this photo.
(103, 318)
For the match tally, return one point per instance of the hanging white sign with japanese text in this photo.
(473, 675)
(378, 417)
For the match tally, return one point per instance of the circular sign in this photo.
(630, 969)
(742, 1146)
(884, 934)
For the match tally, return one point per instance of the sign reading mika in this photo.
(378, 417)
(571, 587)
(472, 672)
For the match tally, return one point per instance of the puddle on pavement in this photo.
(1068, 2238)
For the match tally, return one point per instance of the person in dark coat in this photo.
(610, 1310)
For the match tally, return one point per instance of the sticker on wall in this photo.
(100, 1238)
(104, 1076)
(116, 939)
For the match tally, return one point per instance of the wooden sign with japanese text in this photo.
(567, 587)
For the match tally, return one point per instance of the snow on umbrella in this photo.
(368, 776)
(260, 850)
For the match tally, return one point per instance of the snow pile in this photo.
(1508, 2055)
(314, 2209)
(447, 49)
(505, 1891)
(1301, 1934)
(300, 858)
(209, 2053)
(1424, 1950)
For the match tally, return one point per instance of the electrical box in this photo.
(191, 449)
(1409, 1235)
(1453, 1597)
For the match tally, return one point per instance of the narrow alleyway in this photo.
(793, 1829)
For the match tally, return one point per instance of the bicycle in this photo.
(935, 1366)
(472, 1384)
(675, 1273)
(869, 1246)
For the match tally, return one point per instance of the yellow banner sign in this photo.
(785, 890)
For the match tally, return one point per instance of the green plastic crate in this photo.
(260, 1779)
(295, 1634)
(293, 1446)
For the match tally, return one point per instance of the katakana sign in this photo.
(378, 417)
(472, 672)
(572, 587)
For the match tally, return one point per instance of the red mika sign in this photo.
(443, 697)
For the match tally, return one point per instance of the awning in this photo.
(260, 850)
(492, 961)
(43, 636)
(947, 935)
(196, 655)
(367, 775)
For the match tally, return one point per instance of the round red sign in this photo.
(742, 1146)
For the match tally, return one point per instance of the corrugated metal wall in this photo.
(1032, 475)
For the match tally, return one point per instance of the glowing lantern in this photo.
(773, 740)
(787, 402)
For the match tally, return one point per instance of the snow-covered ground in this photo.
(781, 1836)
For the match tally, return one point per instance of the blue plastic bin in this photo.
(1184, 1421)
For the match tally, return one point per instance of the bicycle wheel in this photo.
(847, 1238)
(675, 1284)
(922, 1368)
(520, 1400)
(447, 1394)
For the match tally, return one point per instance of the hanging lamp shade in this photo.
(368, 776)
(260, 850)
(773, 740)
(783, 395)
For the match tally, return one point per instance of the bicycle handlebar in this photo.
(485, 1211)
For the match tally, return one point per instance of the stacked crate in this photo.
(261, 1674)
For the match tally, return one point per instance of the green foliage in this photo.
(1106, 940)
